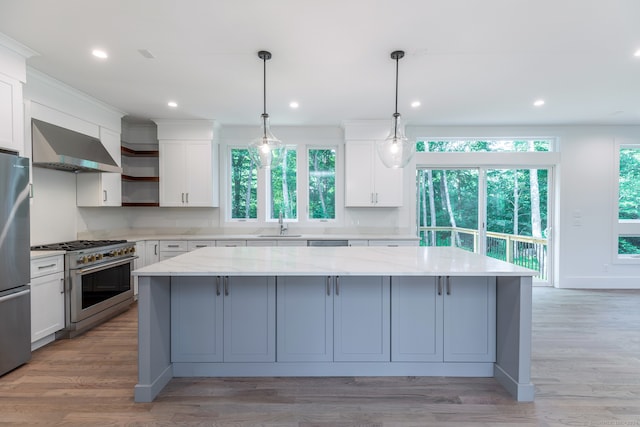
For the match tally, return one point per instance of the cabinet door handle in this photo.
(187, 197)
(173, 246)
(372, 198)
(439, 285)
(218, 285)
(376, 198)
(328, 286)
(42, 267)
(448, 285)
(62, 286)
(155, 249)
(226, 286)
(182, 197)
(104, 197)
(337, 285)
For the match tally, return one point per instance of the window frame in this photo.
(308, 148)
(302, 183)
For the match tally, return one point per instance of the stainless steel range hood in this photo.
(55, 147)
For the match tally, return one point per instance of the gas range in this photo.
(97, 281)
(84, 253)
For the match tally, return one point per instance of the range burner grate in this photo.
(76, 245)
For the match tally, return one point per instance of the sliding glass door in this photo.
(502, 213)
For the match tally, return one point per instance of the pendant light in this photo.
(396, 150)
(266, 150)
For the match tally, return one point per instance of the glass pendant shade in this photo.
(396, 150)
(266, 150)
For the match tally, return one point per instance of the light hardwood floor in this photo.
(586, 368)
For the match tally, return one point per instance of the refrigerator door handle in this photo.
(14, 296)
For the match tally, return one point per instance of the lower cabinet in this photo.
(436, 319)
(361, 315)
(305, 319)
(47, 299)
(223, 319)
(341, 319)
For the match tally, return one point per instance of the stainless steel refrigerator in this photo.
(15, 298)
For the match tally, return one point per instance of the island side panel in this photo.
(513, 336)
(154, 337)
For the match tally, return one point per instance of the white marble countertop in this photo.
(313, 261)
(265, 236)
(44, 254)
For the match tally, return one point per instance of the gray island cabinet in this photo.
(334, 311)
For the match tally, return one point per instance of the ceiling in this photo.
(468, 62)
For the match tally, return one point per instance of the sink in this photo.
(279, 235)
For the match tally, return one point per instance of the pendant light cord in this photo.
(395, 115)
(397, 61)
(264, 96)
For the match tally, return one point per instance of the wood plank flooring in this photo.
(586, 368)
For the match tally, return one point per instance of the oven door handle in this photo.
(106, 265)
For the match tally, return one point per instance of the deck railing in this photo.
(525, 251)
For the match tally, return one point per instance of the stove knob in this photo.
(83, 260)
(92, 258)
(98, 256)
(118, 252)
(132, 249)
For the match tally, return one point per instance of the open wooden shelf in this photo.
(126, 151)
(141, 204)
(140, 178)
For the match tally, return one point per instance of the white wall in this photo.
(53, 206)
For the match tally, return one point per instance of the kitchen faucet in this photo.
(283, 227)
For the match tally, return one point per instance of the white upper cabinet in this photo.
(13, 58)
(11, 118)
(187, 175)
(188, 164)
(368, 182)
(102, 189)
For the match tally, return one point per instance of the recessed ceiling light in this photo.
(294, 104)
(636, 53)
(99, 53)
(172, 104)
(415, 104)
(538, 102)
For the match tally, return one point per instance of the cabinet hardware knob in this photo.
(448, 285)
(439, 285)
(328, 286)
(218, 285)
(337, 285)
(226, 286)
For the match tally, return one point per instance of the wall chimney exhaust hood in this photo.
(58, 148)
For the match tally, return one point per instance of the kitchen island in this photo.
(336, 311)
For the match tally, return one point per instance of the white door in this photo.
(198, 174)
(172, 173)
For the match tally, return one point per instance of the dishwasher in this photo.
(327, 243)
